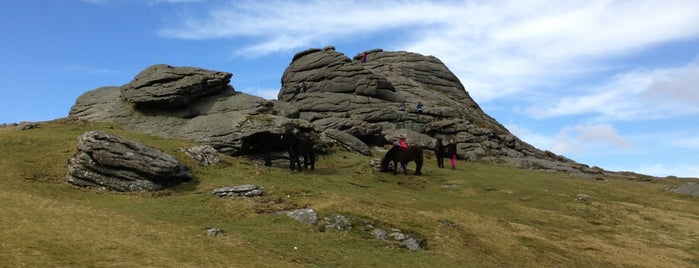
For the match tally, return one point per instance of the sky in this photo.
(613, 84)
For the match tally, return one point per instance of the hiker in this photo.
(451, 152)
(363, 59)
(401, 106)
(419, 107)
(402, 142)
(439, 153)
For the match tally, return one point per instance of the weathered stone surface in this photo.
(348, 141)
(110, 162)
(247, 190)
(327, 92)
(373, 229)
(689, 188)
(204, 154)
(305, 215)
(24, 125)
(173, 87)
(219, 120)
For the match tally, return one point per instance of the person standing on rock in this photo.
(451, 152)
(363, 59)
(419, 107)
(439, 153)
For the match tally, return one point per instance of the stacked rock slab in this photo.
(363, 98)
(322, 90)
(184, 102)
(109, 162)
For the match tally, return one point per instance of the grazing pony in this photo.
(403, 155)
(264, 141)
(299, 145)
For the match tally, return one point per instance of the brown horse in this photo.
(403, 155)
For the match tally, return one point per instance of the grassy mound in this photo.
(478, 215)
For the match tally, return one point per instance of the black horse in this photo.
(439, 152)
(299, 145)
(264, 142)
(403, 155)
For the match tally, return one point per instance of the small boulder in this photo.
(247, 190)
(204, 154)
(109, 162)
(305, 215)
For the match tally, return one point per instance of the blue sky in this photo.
(613, 84)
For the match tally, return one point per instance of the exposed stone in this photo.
(689, 188)
(348, 141)
(370, 228)
(214, 231)
(306, 215)
(173, 87)
(204, 154)
(247, 190)
(582, 197)
(110, 162)
(24, 125)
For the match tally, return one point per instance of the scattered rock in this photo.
(690, 188)
(109, 162)
(582, 197)
(214, 231)
(247, 190)
(204, 154)
(306, 215)
(24, 125)
(372, 229)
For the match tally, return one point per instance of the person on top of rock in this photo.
(419, 107)
(451, 152)
(363, 59)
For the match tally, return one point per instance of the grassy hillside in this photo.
(496, 216)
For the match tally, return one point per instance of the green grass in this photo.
(480, 215)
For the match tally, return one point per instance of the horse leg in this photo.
(268, 159)
(404, 165)
(312, 156)
(395, 167)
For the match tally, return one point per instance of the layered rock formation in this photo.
(345, 101)
(363, 99)
(110, 162)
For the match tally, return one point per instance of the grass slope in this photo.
(480, 215)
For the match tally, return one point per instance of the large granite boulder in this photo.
(355, 104)
(173, 87)
(110, 162)
(379, 103)
(219, 118)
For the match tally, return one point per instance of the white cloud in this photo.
(636, 94)
(584, 139)
(686, 142)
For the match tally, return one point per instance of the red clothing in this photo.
(403, 143)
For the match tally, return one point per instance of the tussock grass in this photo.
(480, 215)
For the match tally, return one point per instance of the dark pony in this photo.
(439, 152)
(403, 155)
(264, 142)
(299, 145)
